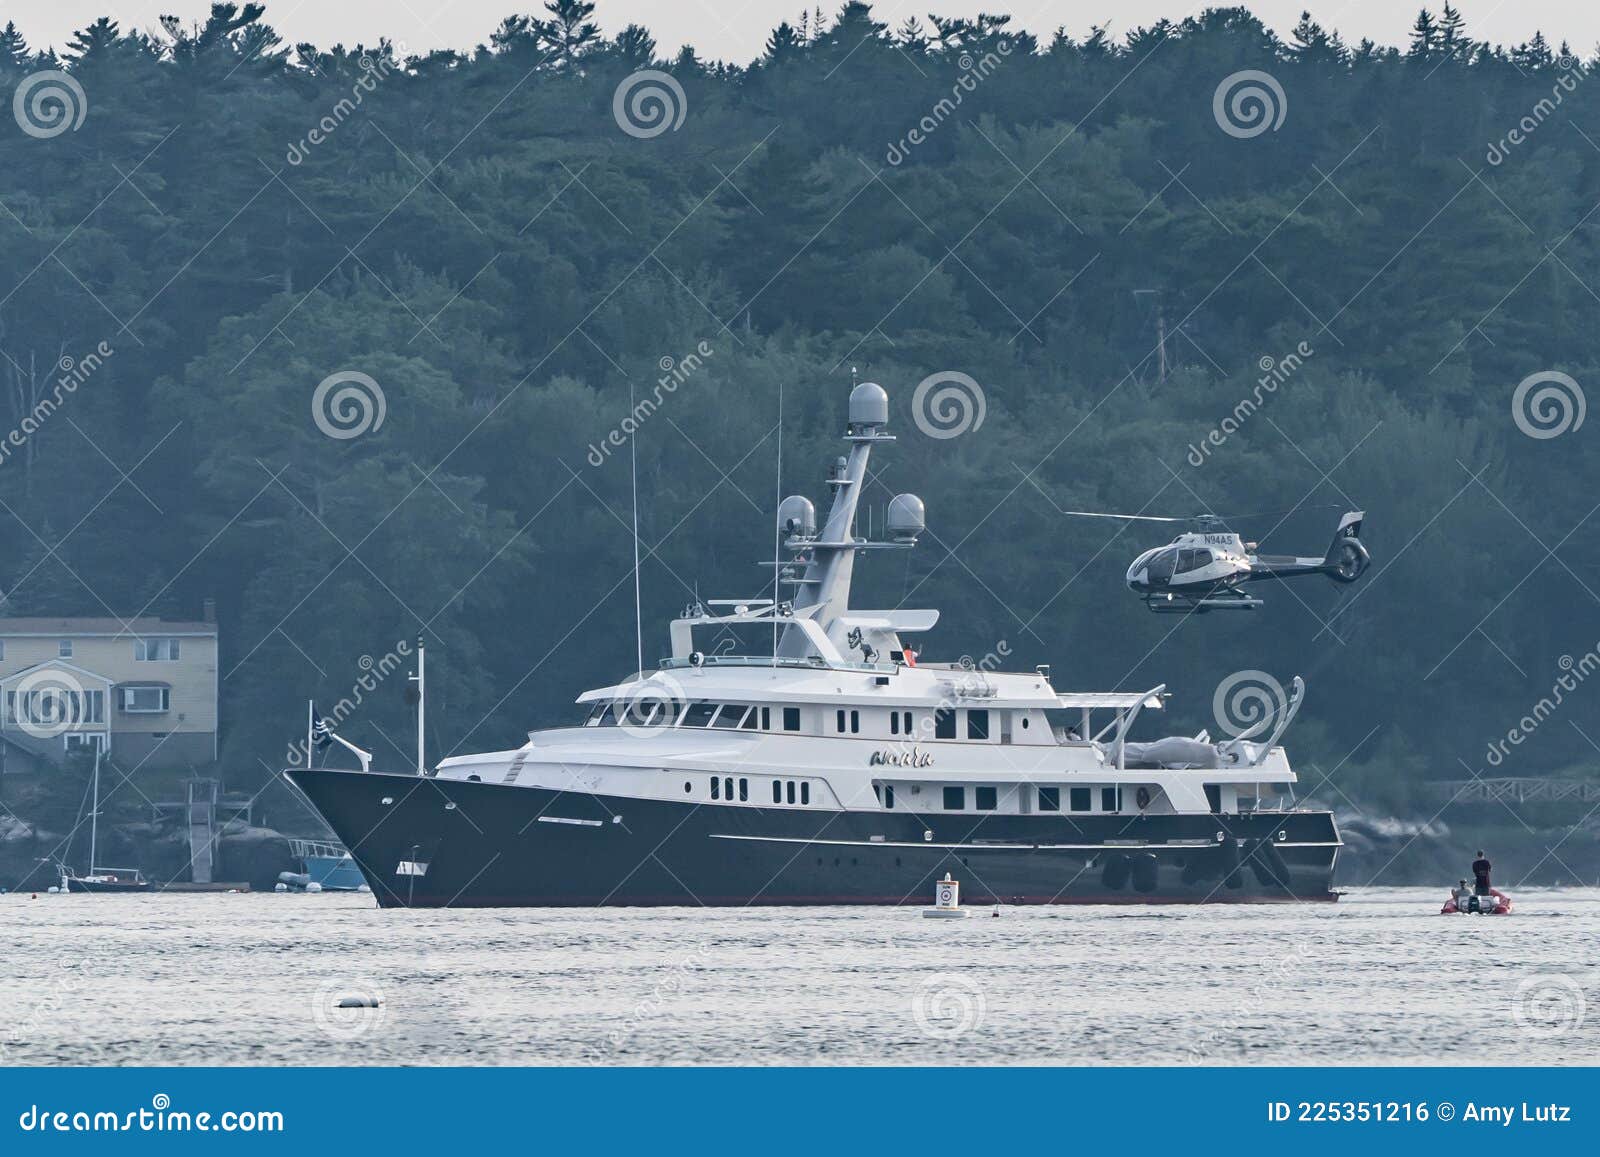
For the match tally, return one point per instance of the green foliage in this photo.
(476, 233)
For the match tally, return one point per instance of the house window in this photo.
(64, 649)
(944, 723)
(1049, 799)
(791, 719)
(1111, 799)
(955, 799)
(977, 725)
(1080, 799)
(2, 650)
(146, 700)
(984, 797)
(155, 650)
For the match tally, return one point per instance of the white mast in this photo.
(420, 679)
(94, 813)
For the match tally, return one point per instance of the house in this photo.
(142, 690)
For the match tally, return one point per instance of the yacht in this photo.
(796, 750)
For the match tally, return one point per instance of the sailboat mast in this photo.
(94, 814)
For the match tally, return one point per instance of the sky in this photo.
(735, 30)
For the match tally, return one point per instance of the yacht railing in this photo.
(812, 663)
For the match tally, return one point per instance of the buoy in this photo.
(53, 890)
(946, 900)
(361, 1002)
(280, 886)
(313, 887)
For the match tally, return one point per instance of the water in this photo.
(254, 979)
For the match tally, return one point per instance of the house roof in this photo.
(56, 665)
(103, 627)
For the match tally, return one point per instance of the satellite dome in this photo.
(797, 517)
(907, 517)
(869, 405)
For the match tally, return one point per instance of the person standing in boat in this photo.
(1480, 873)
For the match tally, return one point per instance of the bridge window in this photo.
(977, 725)
(1049, 799)
(984, 798)
(1080, 799)
(791, 719)
(1111, 799)
(955, 799)
(944, 723)
(730, 716)
(749, 723)
(699, 714)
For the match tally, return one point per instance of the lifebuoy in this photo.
(1142, 798)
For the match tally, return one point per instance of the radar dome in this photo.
(797, 517)
(907, 517)
(869, 405)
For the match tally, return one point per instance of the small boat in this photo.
(101, 879)
(1496, 903)
(105, 880)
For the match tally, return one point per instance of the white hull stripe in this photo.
(565, 820)
(1001, 847)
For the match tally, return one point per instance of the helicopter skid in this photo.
(1184, 604)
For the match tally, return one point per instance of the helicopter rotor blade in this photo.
(1122, 517)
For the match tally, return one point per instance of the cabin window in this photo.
(766, 719)
(729, 716)
(905, 723)
(1080, 799)
(1111, 799)
(977, 725)
(687, 786)
(789, 791)
(749, 723)
(855, 723)
(607, 716)
(888, 795)
(1049, 799)
(727, 788)
(839, 723)
(984, 798)
(744, 790)
(777, 791)
(805, 791)
(955, 799)
(699, 714)
(716, 788)
(791, 719)
(894, 723)
(944, 723)
(1024, 723)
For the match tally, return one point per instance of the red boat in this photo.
(1496, 903)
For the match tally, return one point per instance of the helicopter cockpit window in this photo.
(1186, 561)
(1161, 565)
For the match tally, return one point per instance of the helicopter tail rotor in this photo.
(1347, 559)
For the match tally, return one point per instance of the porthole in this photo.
(688, 787)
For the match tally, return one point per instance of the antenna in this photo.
(422, 707)
(638, 618)
(777, 538)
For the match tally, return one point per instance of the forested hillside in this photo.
(512, 243)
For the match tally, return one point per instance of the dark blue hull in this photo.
(427, 842)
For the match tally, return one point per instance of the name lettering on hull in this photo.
(912, 758)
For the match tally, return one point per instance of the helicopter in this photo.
(1205, 568)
